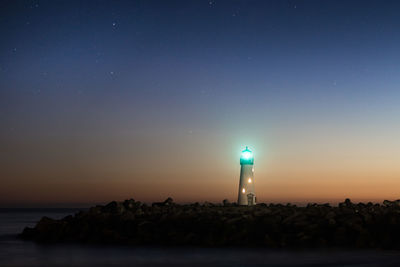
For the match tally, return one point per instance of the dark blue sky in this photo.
(110, 89)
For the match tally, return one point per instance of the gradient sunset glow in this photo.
(151, 99)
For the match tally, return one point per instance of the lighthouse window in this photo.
(243, 190)
(246, 155)
(249, 181)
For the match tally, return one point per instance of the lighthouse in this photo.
(247, 195)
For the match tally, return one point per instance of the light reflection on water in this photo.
(14, 252)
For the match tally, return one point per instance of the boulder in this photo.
(225, 203)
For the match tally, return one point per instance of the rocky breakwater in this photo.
(274, 225)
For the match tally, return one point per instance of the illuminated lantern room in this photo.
(247, 157)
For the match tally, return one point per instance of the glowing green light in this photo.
(246, 155)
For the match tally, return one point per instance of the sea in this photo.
(16, 252)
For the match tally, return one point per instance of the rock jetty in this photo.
(275, 225)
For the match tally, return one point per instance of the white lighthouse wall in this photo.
(246, 173)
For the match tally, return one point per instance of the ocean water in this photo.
(15, 252)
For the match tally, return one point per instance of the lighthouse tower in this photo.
(247, 195)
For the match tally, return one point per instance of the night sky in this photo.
(108, 100)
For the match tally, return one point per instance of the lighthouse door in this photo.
(250, 199)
